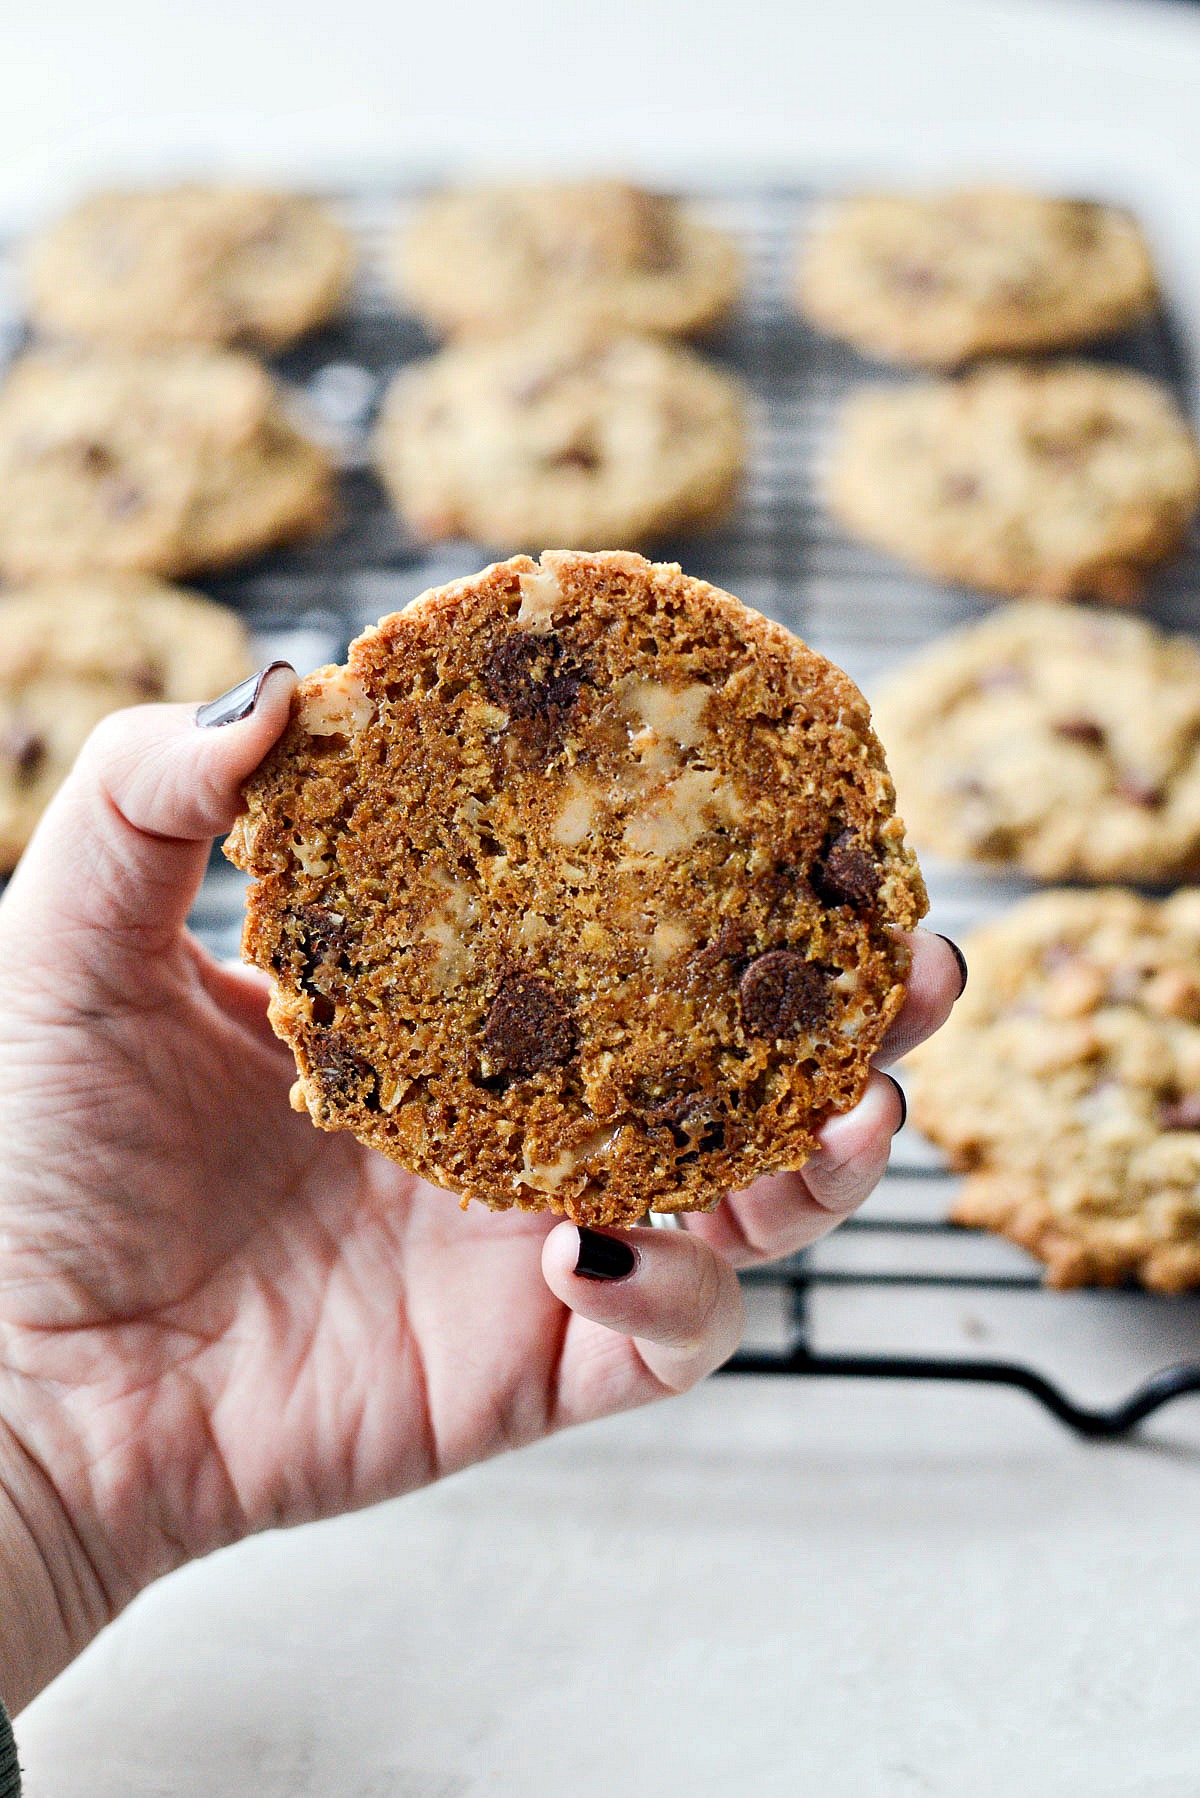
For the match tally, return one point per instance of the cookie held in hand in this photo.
(581, 887)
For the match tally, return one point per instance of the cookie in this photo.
(581, 888)
(493, 258)
(938, 279)
(1068, 1083)
(1062, 743)
(562, 435)
(194, 264)
(1066, 480)
(73, 650)
(168, 462)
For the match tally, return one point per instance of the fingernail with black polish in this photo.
(903, 1102)
(239, 702)
(603, 1257)
(960, 958)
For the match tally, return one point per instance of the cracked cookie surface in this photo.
(166, 463)
(580, 887)
(492, 258)
(1067, 1083)
(938, 279)
(563, 436)
(1060, 742)
(72, 651)
(192, 264)
(1065, 480)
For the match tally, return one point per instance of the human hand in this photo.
(215, 1318)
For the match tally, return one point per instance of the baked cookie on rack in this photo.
(72, 651)
(1067, 480)
(168, 462)
(1059, 742)
(938, 279)
(562, 434)
(582, 889)
(1067, 1085)
(191, 264)
(492, 258)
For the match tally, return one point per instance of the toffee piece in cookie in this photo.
(1061, 742)
(1067, 1085)
(493, 258)
(942, 278)
(1067, 480)
(72, 651)
(562, 435)
(168, 463)
(193, 264)
(581, 887)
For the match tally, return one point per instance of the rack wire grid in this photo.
(957, 1305)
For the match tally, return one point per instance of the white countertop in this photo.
(769, 1587)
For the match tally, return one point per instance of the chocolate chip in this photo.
(582, 456)
(694, 1121)
(324, 943)
(532, 676)
(25, 748)
(783, 994)
(729, 944)
(1081, 730)
(341, 1071)
(95, 458)
(1137, 790)
(846, 873)
(1182, 1113)
(528, 1027)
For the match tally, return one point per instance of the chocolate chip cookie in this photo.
(1060, 742)
(193, 264)
(1067, 1084)
(73, 650)
(168, 462)
(581, 888)
(1066, 480)
(941, 278)
(562, 435)
(493, 258)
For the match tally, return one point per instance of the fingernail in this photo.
(603, 1257)
(960, 958)
(903, 1100)
(239, 702)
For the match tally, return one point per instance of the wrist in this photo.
(51, 1601)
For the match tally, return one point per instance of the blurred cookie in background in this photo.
(72, 651)
(1060, 742)
(1066, 1083)
(192, 264)
(493, 258)
(938, 279)
(1068, 480)
(169, 462)
(562, 436)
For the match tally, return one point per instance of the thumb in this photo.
(122, 848)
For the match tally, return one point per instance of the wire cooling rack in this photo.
(897, 1293)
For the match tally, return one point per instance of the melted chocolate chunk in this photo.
(846, 873)
(25, 748)
(782, 994)
(528, 1027)
(1180, 1114)
(1081, 730)
(533, 677)
(340, 1070)
(324, 944)
(695, 1123)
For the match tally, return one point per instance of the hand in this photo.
(215, 1318)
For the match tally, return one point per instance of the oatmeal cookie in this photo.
(493, 258)
(938, 279)
(562, 435)
(581, 888)
(169, 462)
(1060, 742)
(1067, 1083)
(73, 650)
(1065, 480)
(194, 264)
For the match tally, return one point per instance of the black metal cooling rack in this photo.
(782, 554)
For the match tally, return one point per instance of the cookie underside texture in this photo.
(580, 887)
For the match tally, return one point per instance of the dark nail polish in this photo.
(603, 1257)
(239, 702)
(960, 958)
(903, 1103)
